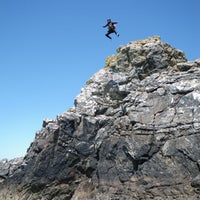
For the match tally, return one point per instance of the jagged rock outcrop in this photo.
(9, 167)
(134, 133)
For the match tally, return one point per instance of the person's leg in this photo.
(107, 35)
(117, 34)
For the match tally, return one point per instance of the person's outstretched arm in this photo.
(104, 26)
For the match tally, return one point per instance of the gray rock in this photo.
(133, 134)
(9, 167)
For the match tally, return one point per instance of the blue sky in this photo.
(50, 48)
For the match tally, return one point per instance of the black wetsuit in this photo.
(111, 29)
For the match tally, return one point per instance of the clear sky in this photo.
(50, 48)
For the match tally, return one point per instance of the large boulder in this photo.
(133, 134)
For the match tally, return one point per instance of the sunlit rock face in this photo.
(132, 134)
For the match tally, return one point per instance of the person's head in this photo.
(108, 20)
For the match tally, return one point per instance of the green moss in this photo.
(109, 60)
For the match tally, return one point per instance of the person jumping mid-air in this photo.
(111, 28)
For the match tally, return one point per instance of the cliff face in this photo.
(134, 133)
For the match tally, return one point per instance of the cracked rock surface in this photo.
(134, 133)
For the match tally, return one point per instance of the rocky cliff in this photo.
(134, 133)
